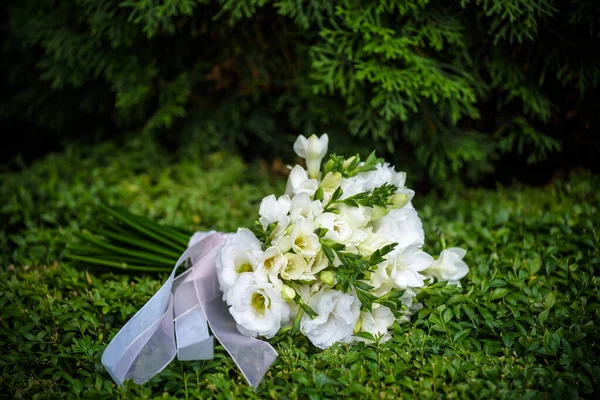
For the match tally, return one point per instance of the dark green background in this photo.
(470, 91)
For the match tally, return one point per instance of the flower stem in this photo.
(127, 252)
(144, 230)
(118, 265)
(136, 242)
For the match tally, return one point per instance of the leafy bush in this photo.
(451, 86)
(525, 324)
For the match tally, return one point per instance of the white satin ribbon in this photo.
(174, 322)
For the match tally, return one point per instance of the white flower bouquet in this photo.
(338, 257)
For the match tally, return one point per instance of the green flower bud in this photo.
(399, 200)
(358, 326)
(319, 194)
(287, 293)
(348, 161)
(328, 278)
(328, 166)
(332, 180)
(378, 212)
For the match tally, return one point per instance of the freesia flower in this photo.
(318, 263)
(352, 186)
(337, 315)
(269, 263)
(377, 322)
(401, 270)
(304, 240)
(234, 257)
(303, 206)
(296, 268)
(273, 210)
(372, 242)
(449, 266)
(355, 217)
(402, 226)
(338, 229)
(408, 301)
(298, 182)
(283, 242)
(257, 307)
(312, 150)
(382, 174)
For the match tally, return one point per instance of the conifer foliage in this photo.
(452, 85)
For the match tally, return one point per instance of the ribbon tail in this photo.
(252, 356)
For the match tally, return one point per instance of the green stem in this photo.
(163, 230)
(131, 260)
(136, 242)
(145, 256)
(143, 230)
(122, 266)
(112, 224)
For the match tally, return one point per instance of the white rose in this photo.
(304, 240)
(337, 315)
(235, 258)
(312, 150)
(273, 210)
(377, 322)
(449, 266)
(338, 229)
(298, 182)
(401, 270)
(402, 226)
(303, 206)
(257, 307)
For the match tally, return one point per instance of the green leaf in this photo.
(499, 293)
(365, 335)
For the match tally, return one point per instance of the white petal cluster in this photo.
(291, 270)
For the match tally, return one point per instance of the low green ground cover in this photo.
(525, 324)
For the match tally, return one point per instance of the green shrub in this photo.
(448, 87)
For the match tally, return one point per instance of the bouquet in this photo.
(338, 258)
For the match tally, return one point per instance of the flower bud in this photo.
(328, 278)
(378, 212)
(358, 326)
(332, 180)
(348, 161)
(287, 293)
(399, 200)
(328, 166)
(312, 150)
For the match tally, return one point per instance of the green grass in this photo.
(525, 324)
